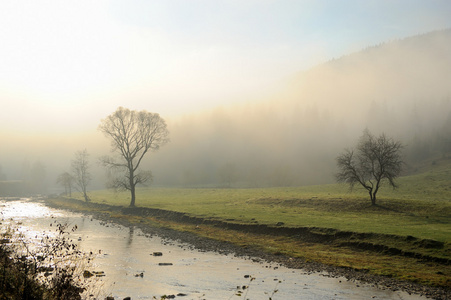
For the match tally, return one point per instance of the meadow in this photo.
(415, 218)
(420, 207)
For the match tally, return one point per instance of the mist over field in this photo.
(289, 136)
(178, 135)
(400, 88)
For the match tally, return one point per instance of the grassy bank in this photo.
(414, 219)
(421, 207)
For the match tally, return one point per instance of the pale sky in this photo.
(64, 65)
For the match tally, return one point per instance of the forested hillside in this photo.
(293, 136)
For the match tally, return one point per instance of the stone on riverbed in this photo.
(87, 274)
(99, 273)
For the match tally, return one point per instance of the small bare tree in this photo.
(133, 134)
(66, 180)
(80, 171)
(376, 159)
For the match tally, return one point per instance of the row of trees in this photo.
(133, 134)
(32, 180)
(79, 177)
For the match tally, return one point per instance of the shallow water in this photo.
(126, 253)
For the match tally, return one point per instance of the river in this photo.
(125, 255)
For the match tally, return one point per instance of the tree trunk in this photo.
(373, 199)
(132, 183)
(86, 197)
(132, 192)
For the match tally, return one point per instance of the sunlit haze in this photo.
(65, 65)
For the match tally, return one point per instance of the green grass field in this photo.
(420, 207)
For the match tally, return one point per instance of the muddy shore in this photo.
(112, 214)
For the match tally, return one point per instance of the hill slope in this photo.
(292, 138)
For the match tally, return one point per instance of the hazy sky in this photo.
(64, 65)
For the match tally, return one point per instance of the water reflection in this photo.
(24, 209)
(130, 236)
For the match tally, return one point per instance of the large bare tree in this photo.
(133, 134)
(374, 161)
(80, 172)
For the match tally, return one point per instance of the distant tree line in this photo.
(32, 181)
(292, 147)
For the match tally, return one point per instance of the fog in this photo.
(289, 136)
(400, 88)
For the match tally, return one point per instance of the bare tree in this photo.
(80, 171)
(66, 180)
(133, 134)
(376, 159)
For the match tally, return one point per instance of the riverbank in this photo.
(213, 235)
(26, 274)
(15, 282)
